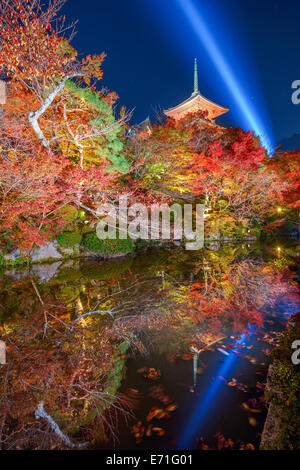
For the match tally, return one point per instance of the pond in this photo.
(167, 349)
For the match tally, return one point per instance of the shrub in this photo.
(108, 247)
(69, 239)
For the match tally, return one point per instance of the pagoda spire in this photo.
(196, 102)
(196, 90)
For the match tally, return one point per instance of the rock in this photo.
(42, 272)
(271, 431)
(72, 251)
(103, 256)
(44, 253)
(227, 239)
(16, 274)
(13, 255)
(67, 251)
(251, 238)
(71, 264)
(213, 246)
(212, 236)
(45, 272)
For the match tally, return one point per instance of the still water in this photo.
(166, 349)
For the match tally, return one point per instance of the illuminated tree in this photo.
(60, 133)
(223, 168)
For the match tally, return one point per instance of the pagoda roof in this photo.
(196, 102)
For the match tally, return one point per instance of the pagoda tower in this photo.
(195, 103)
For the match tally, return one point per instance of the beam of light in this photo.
(224, 69)
(203, 407)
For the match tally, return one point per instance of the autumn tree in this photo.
(287, 166)
(225, 169)
(61, 139)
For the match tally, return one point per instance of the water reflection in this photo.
(75, 332)
(203, 408)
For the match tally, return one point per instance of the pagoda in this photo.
(195, 103)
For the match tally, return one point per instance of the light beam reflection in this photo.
(202, 409)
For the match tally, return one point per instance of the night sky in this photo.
(151, 45)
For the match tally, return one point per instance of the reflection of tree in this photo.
(225, 295)
(65, 366)
(67, 339)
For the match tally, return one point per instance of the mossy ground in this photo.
(108, 247)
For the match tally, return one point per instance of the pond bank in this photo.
(53, 252)
(271, 430)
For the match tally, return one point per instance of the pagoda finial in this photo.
(196, 90)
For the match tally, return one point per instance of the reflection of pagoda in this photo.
(196, 352)
(195, 103)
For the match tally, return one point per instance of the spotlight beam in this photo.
(224, 69)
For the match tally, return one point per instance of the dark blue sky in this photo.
(150, 46)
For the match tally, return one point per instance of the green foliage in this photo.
(287, 378)
(113, 381)
(81, 214)
(21, 260)
(107, 247)
(240, 230)
(69, 239)
(114, 376)
(68, 293)
(70, 213)
(156, 170)
(110, 145)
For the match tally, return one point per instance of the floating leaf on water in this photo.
(186, 357)
(232, 383)
(133, 392)
(172, 407)
(151, 373)
(159, 431)
(251, 359)
(252, 421)
(246, 407)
